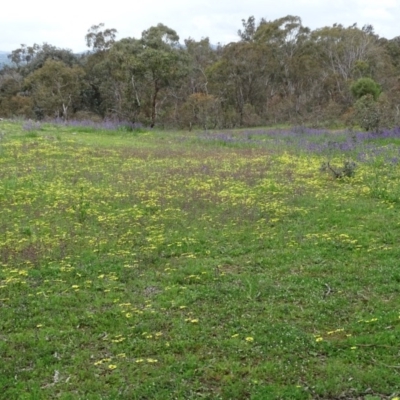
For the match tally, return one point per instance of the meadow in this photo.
(142, 264)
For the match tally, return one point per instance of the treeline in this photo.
(277, 72)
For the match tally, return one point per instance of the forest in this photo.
(278, 72)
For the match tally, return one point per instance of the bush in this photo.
(367, 113)
(365, 86)
(373, 115)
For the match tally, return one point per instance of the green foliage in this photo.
(200, 110)
(16, 106)
(55, 88)
(367, 113)
(31, 58)
(373, 115)
(279, 72)
(100, 40)
(365, 86)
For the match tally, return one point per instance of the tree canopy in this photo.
(277, 71)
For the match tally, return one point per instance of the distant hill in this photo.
(4, 59)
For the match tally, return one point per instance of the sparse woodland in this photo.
(277, 72)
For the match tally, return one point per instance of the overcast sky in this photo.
(65, 23)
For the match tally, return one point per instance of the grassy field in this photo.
(219, 265)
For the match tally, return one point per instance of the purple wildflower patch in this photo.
(361, 146)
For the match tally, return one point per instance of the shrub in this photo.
(373, 115)
(365, 86)
(367, 113)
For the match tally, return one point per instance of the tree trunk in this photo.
(154, 104)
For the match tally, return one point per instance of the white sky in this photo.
(65, 23)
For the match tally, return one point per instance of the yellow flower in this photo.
(152, 360)
(249, 339)
(235, 335)
(112, 366)
(319, 339)
(118, 340)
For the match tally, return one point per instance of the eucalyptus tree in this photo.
(99, 39)
(163, 63)
(30, 58)
(390, 79)
(13, 101)
(345, 54)
(10, 81)
(264, 75)
(119, 86)
(148, 70)
(249, 29)
(201, 56)
(55, 89)
(23, 55)
(392, 48)
(201, 110)
(194, 104)
(95, 96)
(285, 43)
(237, 78)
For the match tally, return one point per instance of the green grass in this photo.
(151, 265)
